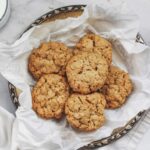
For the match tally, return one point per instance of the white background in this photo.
(24, 12)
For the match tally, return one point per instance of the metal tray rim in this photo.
(117, 133)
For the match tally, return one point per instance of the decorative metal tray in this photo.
(75, 11)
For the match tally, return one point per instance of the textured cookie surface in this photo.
(87, 72)
(50, 57)
(49, 96)
(85, 112)
(92, 42)
(117, 87)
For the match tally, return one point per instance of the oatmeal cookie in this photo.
(49, 96)
(85, 112)
(86, 72)
(50, 57)
(117, 87)
(93, 42)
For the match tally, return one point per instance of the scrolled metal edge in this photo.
(50, 14)
(13, 94)
(139, 39)
(115, 136)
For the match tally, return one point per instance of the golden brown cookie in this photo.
(87, 72)
(85, 112)
(117, 87)
(93, 42)
(49, 96)
(50, 57)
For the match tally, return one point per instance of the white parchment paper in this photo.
(112, 21)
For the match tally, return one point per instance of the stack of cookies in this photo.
(80, 83)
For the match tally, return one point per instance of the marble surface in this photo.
(25, 12)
